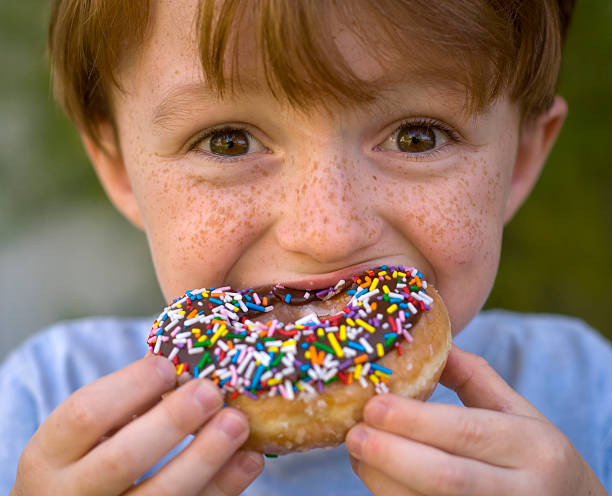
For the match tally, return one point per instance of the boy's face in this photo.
(314, 194)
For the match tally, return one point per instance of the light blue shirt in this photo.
(558, 363)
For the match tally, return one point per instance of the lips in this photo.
(324, 281)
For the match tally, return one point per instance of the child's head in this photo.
(272, 141)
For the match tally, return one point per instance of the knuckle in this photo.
(469, 432)
(176, 415)
(116, 464)
(555, 453)
(79, 413)
(451, 479)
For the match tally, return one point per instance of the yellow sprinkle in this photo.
(380, 351)
(182, 312)
(179, 369)
(195, 330)
(300, 387)
(380, 374)
(386, 289)
(392, 308)
(334, 342)
(307, 355)
(203, 338)
(357, 373)
(374, 284)
(290, 342)
(350, 321)
(217, 334)
(394, 275)
(299, 327)
(178, 305)
(382, 273)
(320, 332)
(401, 274)
(374, 379)
(365, 325)
(274, 349)
(342, 332)
(274, 382)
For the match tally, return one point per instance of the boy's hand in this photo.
(93, 444)
(499, 445)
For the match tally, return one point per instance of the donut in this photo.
(302, 364)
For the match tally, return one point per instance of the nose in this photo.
(329, 213)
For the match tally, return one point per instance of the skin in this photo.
(318, 193)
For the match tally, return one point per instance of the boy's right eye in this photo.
(227, 142)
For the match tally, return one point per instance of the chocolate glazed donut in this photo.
(302, 364)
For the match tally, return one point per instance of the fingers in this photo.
(479, 386)
(107, 403)
(190, 472)
(428, 470)
(242, 469)
(140, 444)
(473, 433)
(378, 482)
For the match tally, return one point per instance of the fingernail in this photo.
(250, 462)
(207, 395)
(355, 440)
(375, 412)
(165, 368)
(232, 424)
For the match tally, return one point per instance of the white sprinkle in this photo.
(369, 294)
(250, 370)
(173, 353)
(311, 317)
(412, 309)
(221, 344)
(288, 371)
(158, 344)
(363, 382)
(289, 389)
(195, 351)
(366, 345)
(245, 362)
(208, 370)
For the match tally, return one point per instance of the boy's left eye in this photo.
(417, 138)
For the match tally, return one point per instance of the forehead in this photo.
(168, 70)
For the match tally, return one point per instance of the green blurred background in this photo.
(60, 238)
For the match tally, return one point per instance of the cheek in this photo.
(455, 222)
(196, 231)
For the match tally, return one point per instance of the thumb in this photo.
(479, 386)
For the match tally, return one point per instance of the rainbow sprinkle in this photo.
(218, 333)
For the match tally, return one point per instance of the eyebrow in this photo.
(180, 102)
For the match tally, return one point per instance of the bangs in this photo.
(297, 46)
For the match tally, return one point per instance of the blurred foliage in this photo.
(556, 255)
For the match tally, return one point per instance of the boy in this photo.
(319, 137)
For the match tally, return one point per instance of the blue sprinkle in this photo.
(355, 346)
(390, 335)
(159, 332)
(224, 381)
(395, 300)
(384, 267)
(257, 375)
(384, 370)
(248, 297)
(259, 346)
(362, 292)
(403, 305)
(287, 298)
(305, 367)
(236, 355)
(214, 300)
(304, 346)
(254, 307)
(351, 291)
(196, 372)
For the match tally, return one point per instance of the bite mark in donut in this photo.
(363, 325)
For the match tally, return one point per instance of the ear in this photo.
(537, 137)
(107, 160)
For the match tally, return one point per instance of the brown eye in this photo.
(415, 139)
(418, 138)
(229, 142)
